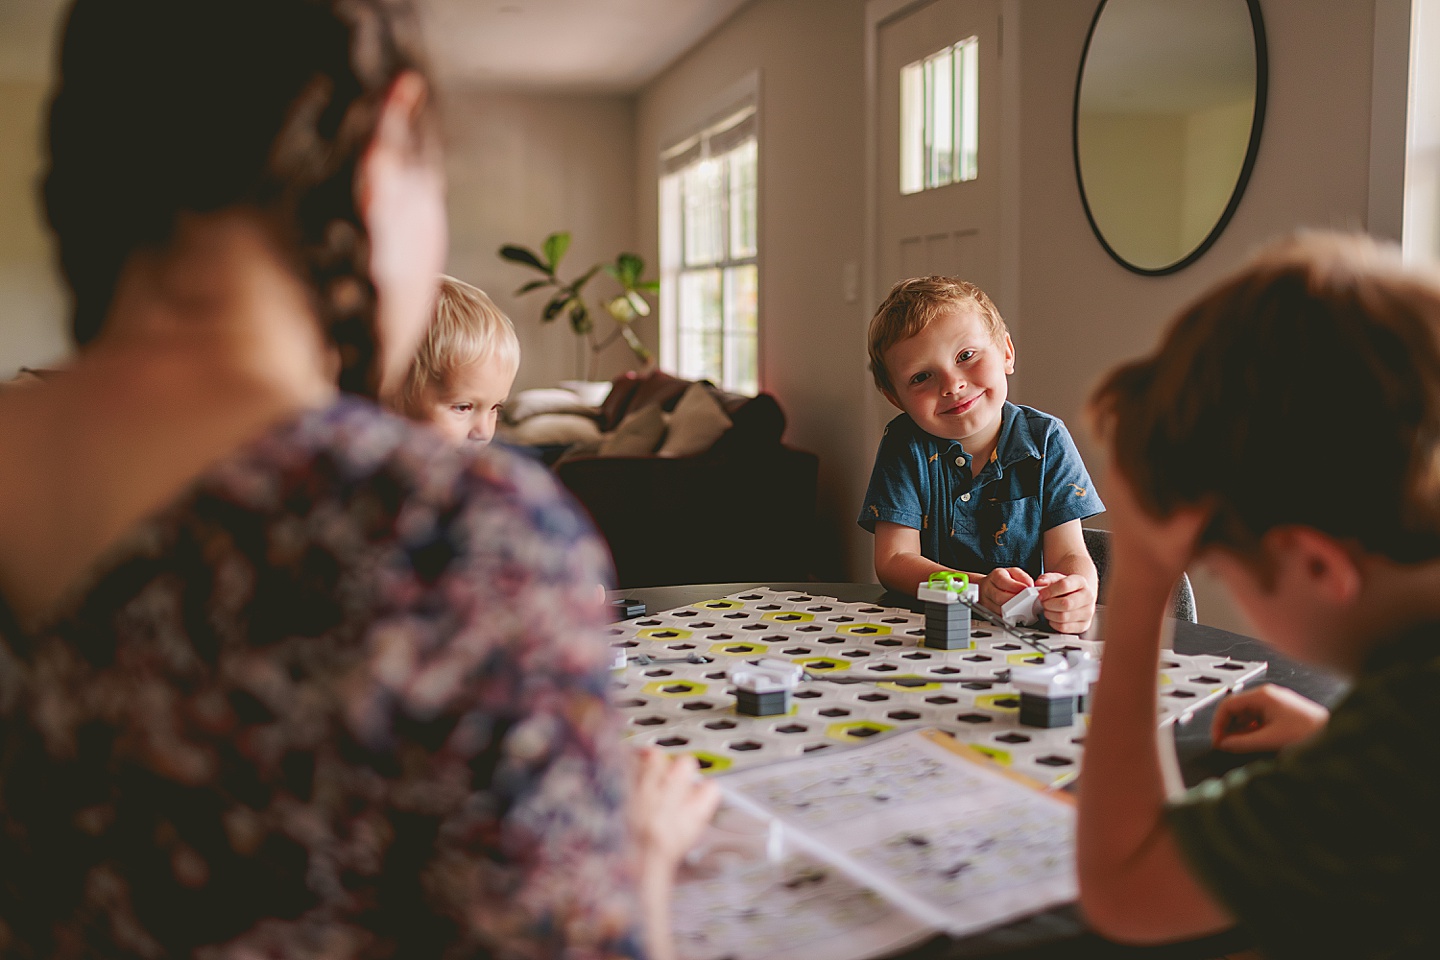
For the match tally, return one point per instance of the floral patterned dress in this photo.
(344, 698)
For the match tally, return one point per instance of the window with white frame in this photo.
(709, 281)
(939, 118)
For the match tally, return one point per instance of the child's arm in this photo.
(1070, 584)
(898, 561)
(1135, 885)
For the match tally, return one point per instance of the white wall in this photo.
(1079, 313)
(34, 310)
(522, 166)
(1422, 161)
(809, 55)
(1082, 311)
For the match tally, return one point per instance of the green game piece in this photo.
(946, 580)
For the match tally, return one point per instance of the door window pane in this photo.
(939, 118)
(912, 128)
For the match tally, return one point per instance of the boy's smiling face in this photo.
(951, 377)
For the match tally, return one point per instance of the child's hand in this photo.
(1068, 601)
(1265, 719)
(670, 804)
(1001, 584)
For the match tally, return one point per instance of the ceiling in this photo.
(570, 46)
(591, 46)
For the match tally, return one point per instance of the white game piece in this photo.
(763, 689)
(1050, 691)
(766, 676)
(928, 594)
(1023, 609)
(1051, 678)
(619, 658)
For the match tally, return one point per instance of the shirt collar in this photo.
(1015, 442)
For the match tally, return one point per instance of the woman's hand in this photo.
(1001, 584)
(669, 807)
(670, 804)
(1266, 719)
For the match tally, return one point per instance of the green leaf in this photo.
(580, 318)
(555, 246)
(630, 267)
(534, 285)
(648, 286)
(523, 255)
(639, 303)
(553, 308)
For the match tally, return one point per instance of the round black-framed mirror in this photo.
(1169, 109)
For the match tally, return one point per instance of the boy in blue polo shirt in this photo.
(964, 479)
(1324, 346)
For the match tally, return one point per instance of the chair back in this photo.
(1098, 543)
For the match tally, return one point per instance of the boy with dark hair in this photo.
(964, 479)
(1287, 434)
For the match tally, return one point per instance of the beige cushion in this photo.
(591, 392)
(638, 434)
(533, 403)
(698, 421)
(551, 428)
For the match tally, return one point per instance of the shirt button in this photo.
(965, 497)
(959, 461)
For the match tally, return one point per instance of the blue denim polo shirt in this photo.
(1035, 480)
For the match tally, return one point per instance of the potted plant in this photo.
(568, 296)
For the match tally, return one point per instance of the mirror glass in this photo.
(1168, 110)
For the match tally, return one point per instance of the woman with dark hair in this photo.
(282, 675)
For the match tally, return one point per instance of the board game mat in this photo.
(869, 675)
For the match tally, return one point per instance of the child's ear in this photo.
(893, 401)
(1009, 346)
(1314, 562)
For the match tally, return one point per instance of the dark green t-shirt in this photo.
(1333, 848)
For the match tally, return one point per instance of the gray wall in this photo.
(522, 166)
(33, 304)
(809, 54)
(1078, 312)
(1082, 312)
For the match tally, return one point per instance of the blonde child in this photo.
(465, 366)
(964, 479)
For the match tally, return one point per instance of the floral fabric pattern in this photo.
(346, 697)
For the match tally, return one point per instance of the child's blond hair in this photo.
(910, 307)
(467, 328)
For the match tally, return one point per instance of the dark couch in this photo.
(744, 510)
